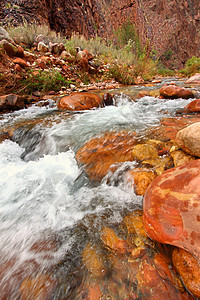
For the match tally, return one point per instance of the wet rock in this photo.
(41, 47)
(93, 261)
(9, 48)
(194, 79)
(40, 288)
(11, 102)
(94, 292)
(21, 62)
(175, 92)
(140, 179)
(112, 241)
(101, 152)
(189, 139)
(188, 267)
(193, 106)
(80, 101)
(181, 158)
(142, 152)
(108, 99)
(171, 207)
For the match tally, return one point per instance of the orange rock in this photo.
(188, 267)
(193, 106)
(37, 288)
(80, 101)
(174, 92)
(112, 241)
(101, 152)
(21, 62)
(140, 179)
(171, 207)
(41, 63)
(11, 102)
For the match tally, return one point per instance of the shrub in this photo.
(44, 81)
(192, 66)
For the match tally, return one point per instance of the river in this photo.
(49, 209)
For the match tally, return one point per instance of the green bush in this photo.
(192, 66)
(44, 81)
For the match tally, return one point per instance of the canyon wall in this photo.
(172, 27)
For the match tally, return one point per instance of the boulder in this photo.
(189, 139)
(21, 62)
(108, 99)
(172, 208)
(188, 267)
(41, 47)
(20, 52)
(11, 102)
(194, 79)
(103, 151)
(9, 48)
(4, 35)
(173, 91)
(193, 106)
(80, 101)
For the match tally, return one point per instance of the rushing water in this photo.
(49, 209)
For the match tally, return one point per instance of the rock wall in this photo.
(172, 27)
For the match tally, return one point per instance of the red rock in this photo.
(90, 56)
(21, 62)
(94, 292)
(188, 267)
(172, 209)
(193, 106)
(80, 101)
(41, 63)
(101, 152)
(174, 92)
(11, 102)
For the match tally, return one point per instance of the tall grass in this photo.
(192, 66)
(27, 33)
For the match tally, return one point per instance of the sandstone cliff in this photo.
(172, 27)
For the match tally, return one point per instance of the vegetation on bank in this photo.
(124, 57)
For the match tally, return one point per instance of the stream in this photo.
(49, 208)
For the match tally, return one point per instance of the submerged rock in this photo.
(189, 139)
(40, 287)
(101, 152)
(140, 179)
(174, 92)
(171, 207)
(112, 241)
(80, 101)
